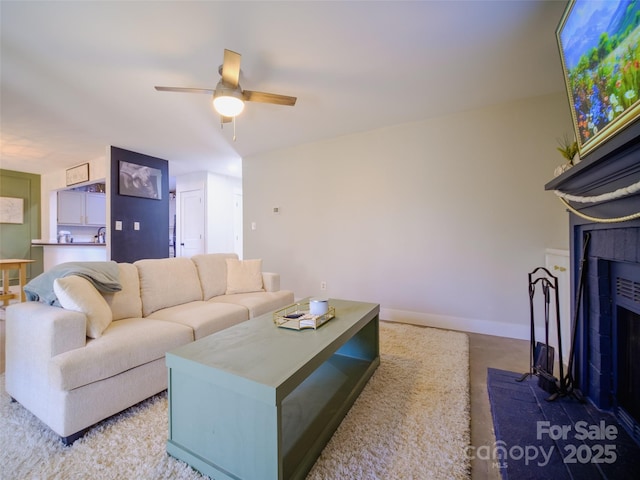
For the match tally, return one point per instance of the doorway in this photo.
(192, 223)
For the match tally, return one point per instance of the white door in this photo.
(191, 223)
(237, 224)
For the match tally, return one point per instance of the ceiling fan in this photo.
(228, 96)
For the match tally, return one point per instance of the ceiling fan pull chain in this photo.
(234, 129)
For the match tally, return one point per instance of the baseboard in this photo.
(471, 325)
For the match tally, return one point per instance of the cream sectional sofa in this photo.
(71, 381)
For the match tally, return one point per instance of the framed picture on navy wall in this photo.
(139, 181)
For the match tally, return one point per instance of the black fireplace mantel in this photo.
(614, 165)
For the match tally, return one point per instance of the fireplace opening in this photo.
(626, 369)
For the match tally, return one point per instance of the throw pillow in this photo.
(212, 270)
(244, 276)
(77, 294)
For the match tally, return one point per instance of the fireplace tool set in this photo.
(542, 355)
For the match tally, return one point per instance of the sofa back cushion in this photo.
(165, 282)
(78, 294)
(126, 303)
(212, 269)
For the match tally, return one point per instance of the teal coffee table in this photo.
(256, 401)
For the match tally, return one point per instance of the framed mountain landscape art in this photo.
(599, 42)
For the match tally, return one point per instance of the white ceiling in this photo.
(79, 76)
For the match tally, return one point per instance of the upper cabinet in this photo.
(82, 208)
(71, 208)
(95, 209)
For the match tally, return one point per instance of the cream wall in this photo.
(438, 221)
(220, 210)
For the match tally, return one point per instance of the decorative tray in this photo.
(298, 317)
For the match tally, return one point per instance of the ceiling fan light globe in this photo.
(228, 105)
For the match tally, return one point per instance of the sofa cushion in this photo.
(165, 282)
(124, 345)
(258, 303)
(244, 276)
(203, 317)
(212, 269)
(78, 294)
(126, 303)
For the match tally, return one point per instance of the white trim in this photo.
(471, 325)
(557, 251)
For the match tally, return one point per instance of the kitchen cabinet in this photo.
(82, 208)
(95, 209)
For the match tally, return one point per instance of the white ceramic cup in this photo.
(318, 306)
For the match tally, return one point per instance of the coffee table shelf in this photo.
(257, 401)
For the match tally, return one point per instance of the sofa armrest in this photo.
(36, 332)
(271, 281)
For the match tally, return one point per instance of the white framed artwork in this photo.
(11, 210)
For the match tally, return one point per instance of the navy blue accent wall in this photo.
(152, 240)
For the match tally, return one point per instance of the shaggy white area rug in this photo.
(411, 421)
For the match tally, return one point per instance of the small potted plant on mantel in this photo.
(569, 150)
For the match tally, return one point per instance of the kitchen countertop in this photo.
(44, 243)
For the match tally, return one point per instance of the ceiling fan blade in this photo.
(231, 68)
(263, 97)
(186, 90)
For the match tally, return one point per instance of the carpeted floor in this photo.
(563, 439)
(410, 422)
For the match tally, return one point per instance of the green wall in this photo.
(15, 239)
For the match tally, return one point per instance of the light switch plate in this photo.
(136, 225)
(118, 225)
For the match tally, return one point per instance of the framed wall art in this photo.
(139, 181)
(11, 210)
(78, 174)
(600, 53)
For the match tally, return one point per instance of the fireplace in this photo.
(607, 349)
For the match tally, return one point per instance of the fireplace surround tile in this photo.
(602, 244)
(598, 324)
(600, 353)
(599, 388)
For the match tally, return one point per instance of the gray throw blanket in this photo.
(103, 275)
